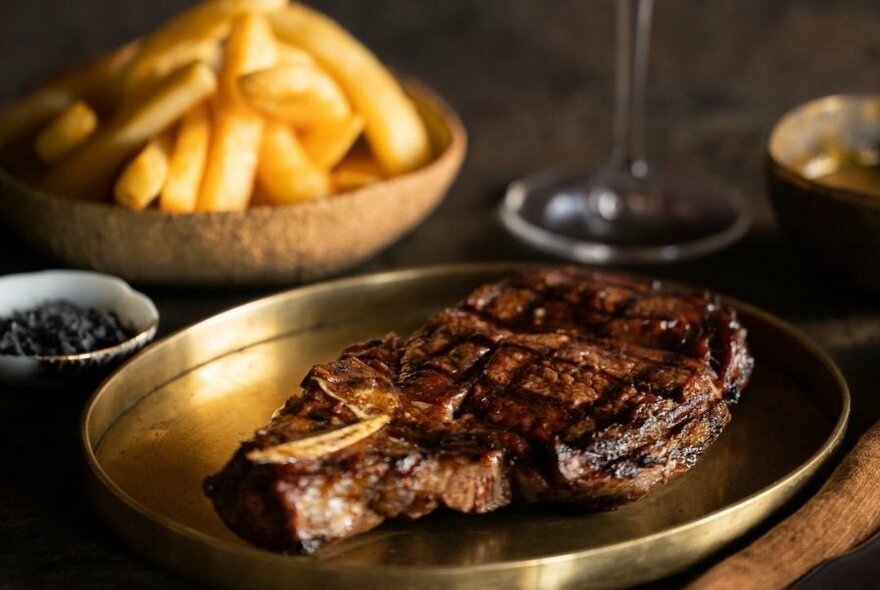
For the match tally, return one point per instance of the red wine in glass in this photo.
(624, 212)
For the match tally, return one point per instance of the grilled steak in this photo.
(552, 386)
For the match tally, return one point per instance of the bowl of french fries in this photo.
(243, 142)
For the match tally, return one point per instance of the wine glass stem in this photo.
(633, 38)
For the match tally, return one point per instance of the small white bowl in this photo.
(86, 289)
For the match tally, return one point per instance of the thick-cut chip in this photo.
(287, 65)
(206, 52)
(21, 118)
(232, 160)
(301, 95)
(142, 180)
(103, 86)
(285, 174)
(357, 170)
(251, 47)
(88, 172)
(96, 83)
(290, 55)
(67, 131)
(238, 131)
(190, 37)
(187, 164)
(393, 125)
(327, 144)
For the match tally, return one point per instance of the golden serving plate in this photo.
(177, 411)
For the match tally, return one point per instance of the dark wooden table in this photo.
(532, 80)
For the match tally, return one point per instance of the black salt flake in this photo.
(60, 328)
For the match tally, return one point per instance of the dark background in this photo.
(532, 80)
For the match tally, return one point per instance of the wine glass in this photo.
(624, 212)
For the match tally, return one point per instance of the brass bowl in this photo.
(260, 246)
(838, 228)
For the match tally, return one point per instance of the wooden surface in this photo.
(532, 81)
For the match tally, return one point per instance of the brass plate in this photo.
(176, 412)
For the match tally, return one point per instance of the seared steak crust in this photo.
(555, 386)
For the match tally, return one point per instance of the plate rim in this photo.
(821, 455)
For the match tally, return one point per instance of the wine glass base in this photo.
(567, 214)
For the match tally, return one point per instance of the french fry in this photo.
(103, 85)
(327, 144)
(142, 180)
(291, 55)
(187, 163)
(251, 47)
(238, 131)
(357, 170)
(394, 128)
(206, 52)
(87, 173)
(300, 95)
(67, 131)
(232, 161)
(96, 83)
(292, 95)
(189, 36)
(285, 173)
(21, 118)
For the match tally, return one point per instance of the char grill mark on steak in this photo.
(694, 324)
(557, 386)
(532, 406)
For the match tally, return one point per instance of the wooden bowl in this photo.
(835, 227)
(260, 246)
